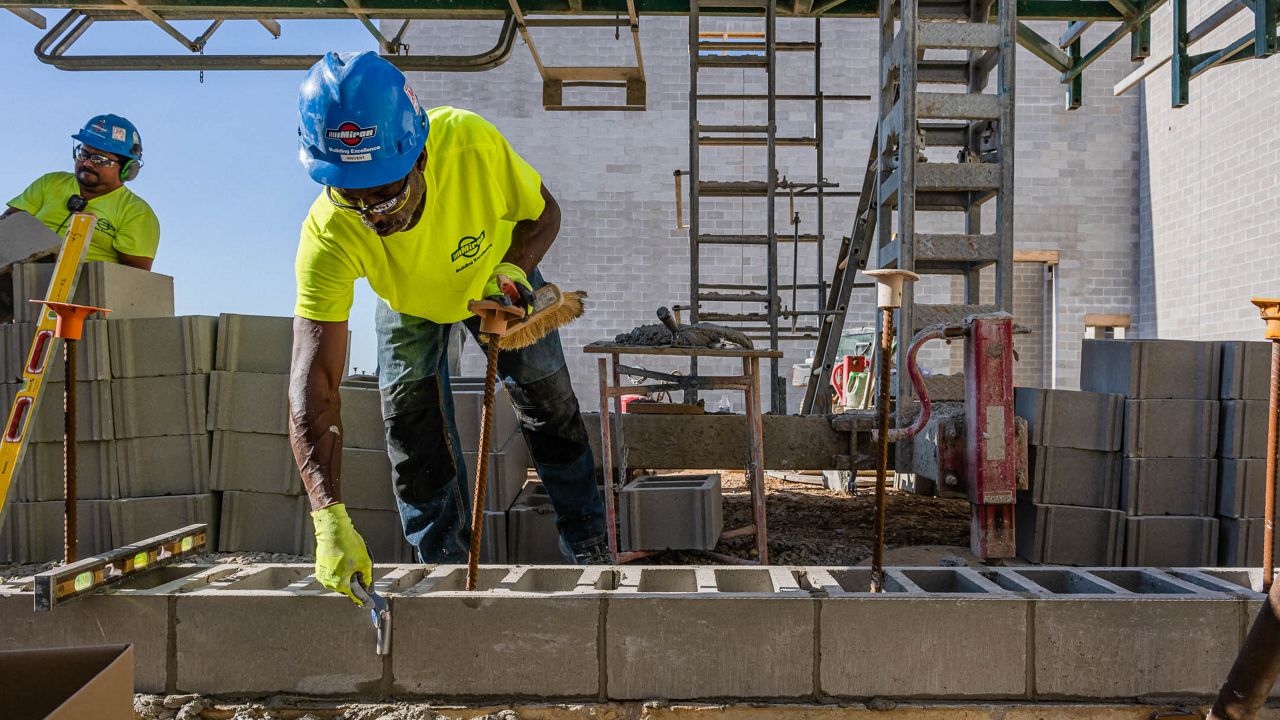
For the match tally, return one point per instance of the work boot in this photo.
(593, 552)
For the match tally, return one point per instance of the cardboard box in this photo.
(67, 683)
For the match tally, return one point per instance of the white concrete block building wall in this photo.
(1211, 200)
(612, 173)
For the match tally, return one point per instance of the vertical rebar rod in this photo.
(882, 450)
(69, 492)
(755, 457)
(606, 461)
(777, 391)
(482, 465)
(1273, 439)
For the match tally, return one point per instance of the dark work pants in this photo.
(432, 488)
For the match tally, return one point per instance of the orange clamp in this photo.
(1270, 309)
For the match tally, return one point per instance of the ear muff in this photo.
(130, 169)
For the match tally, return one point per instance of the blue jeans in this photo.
(432, 488)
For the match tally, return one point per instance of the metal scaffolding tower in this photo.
(956, 44)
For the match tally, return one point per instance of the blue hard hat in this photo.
(113, 134)
(359, 123)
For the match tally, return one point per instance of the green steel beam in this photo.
(1203, 62)
(1075, 86)
(1180, 61)
(1089, 10)
(1264, 27)
(1042, 48)
(1127, 26)
(1140, 42)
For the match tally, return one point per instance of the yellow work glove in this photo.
(340, 551)
(517, 276)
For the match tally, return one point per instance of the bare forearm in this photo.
(531, 239)
(315, 407)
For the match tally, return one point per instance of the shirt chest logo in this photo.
(469, 248)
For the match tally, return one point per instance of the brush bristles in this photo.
(570, 308)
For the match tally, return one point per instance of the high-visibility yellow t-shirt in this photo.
(126, 224)
(477, 188)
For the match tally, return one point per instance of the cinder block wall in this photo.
(1209, 204)
(612, 173)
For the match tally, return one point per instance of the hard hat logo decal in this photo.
(350, 134)
(118, 134)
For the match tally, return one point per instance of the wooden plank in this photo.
(1048, 257)
(1107, 320)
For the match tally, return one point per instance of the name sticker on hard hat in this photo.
(360, 157)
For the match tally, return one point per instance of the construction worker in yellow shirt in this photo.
(107, 153)
(430, 206)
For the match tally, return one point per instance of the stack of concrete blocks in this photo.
(1169, 479)
(1242, 465)
(1070, 514)
(142, 461)
(265, 507)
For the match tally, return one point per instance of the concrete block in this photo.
(94, 620)
(127, 291)
(1169, 486)
(1071, 418)
(1066, 535)
(493, 543)
(1070, 476)
(93, 412)
(671, 512)
(1171, 541)
(532, 537)
(1242, 487)
(263, 522)
(254, 343)
(1240, 542)
(36, 530)
(167, 465)
(546, 624)
(508, 470)
(93, 358)
(134, 519)
(242, 613)
(675, 636)
(254, 462)
(967, 621)
(466, 412)
(1151, 369)
(362, 425)
(149, 347)
(23, 238)
(1170, 428)
(366, 479)
(250, 402)
(1246, 370)
(1242, 429)
(40, 474)
(1123, 648)
(155, 406)
(30, 281)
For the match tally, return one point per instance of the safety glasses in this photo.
(78, 153)
(387, 207)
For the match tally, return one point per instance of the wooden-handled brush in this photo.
(504, 325)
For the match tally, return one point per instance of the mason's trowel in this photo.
(379, 611)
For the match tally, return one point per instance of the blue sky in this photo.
(221, 157)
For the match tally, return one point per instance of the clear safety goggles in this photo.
(78, 153)
(387, 207)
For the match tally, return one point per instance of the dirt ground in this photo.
(809, 525)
